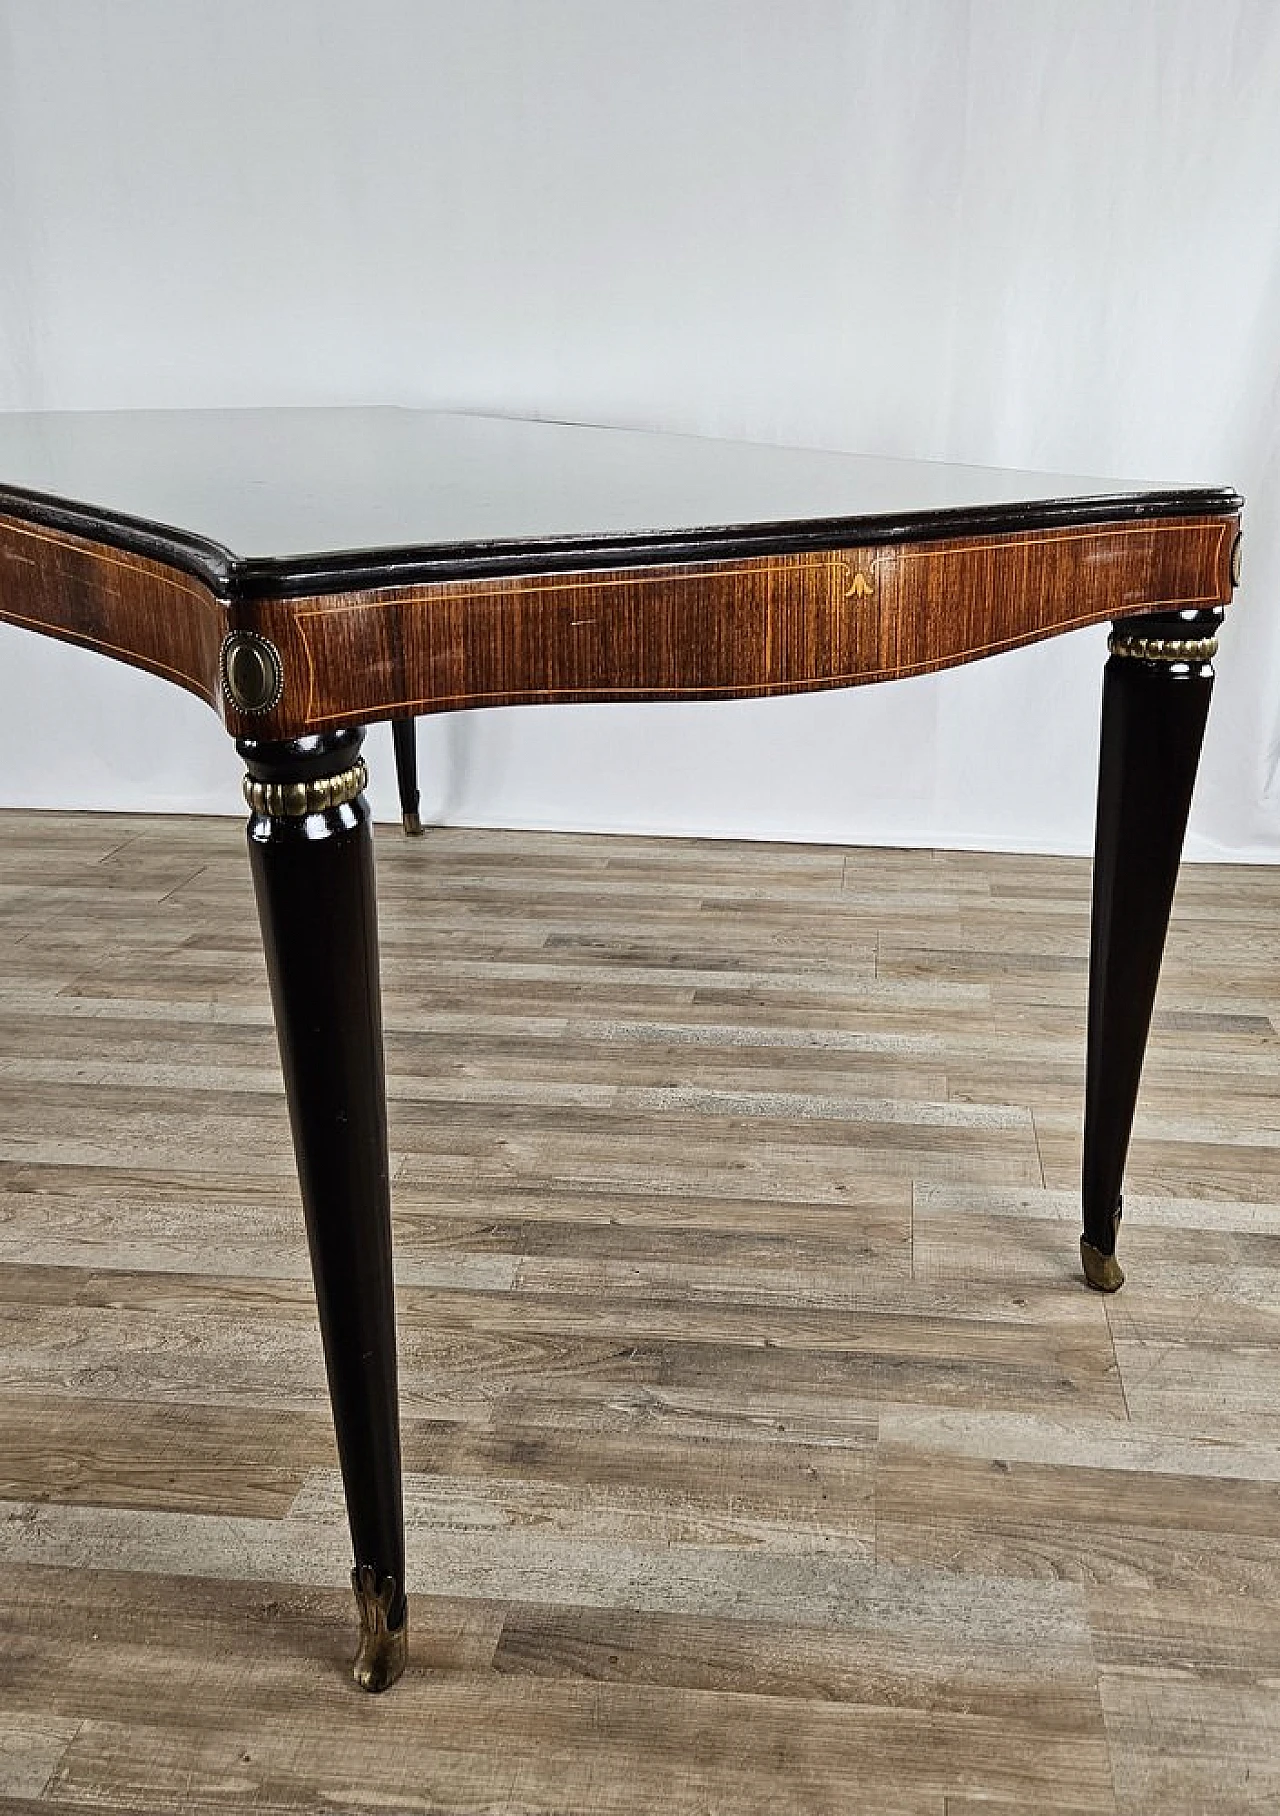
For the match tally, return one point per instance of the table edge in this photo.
(233, 577)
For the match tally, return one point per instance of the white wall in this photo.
(1026, 232)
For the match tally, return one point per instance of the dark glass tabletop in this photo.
(305, 490)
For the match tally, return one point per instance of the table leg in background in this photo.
(405, 737)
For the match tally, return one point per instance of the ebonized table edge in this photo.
(244, 579)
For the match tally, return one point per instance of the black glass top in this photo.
(287, 500)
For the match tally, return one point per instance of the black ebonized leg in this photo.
(404, 736)
(311, 853)
(1155, 698)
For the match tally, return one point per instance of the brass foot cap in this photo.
(412, 825)
(1103, 1272)
(384, 1651)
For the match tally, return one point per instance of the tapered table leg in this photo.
(311, 853)
(1155, 698)
(404, 736)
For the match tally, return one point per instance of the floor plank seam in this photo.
(1035, 1130)
(1115, 1356)
(184, 884)
(45, 1795)
(911, 1230)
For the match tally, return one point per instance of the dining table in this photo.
(309, 572)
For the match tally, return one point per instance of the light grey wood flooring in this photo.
(764, 1450)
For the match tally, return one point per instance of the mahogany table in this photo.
(307, 572)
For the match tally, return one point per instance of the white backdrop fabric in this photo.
(1039, 233)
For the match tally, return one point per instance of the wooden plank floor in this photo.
(765, 1451)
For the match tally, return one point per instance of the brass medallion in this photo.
(252, 672)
